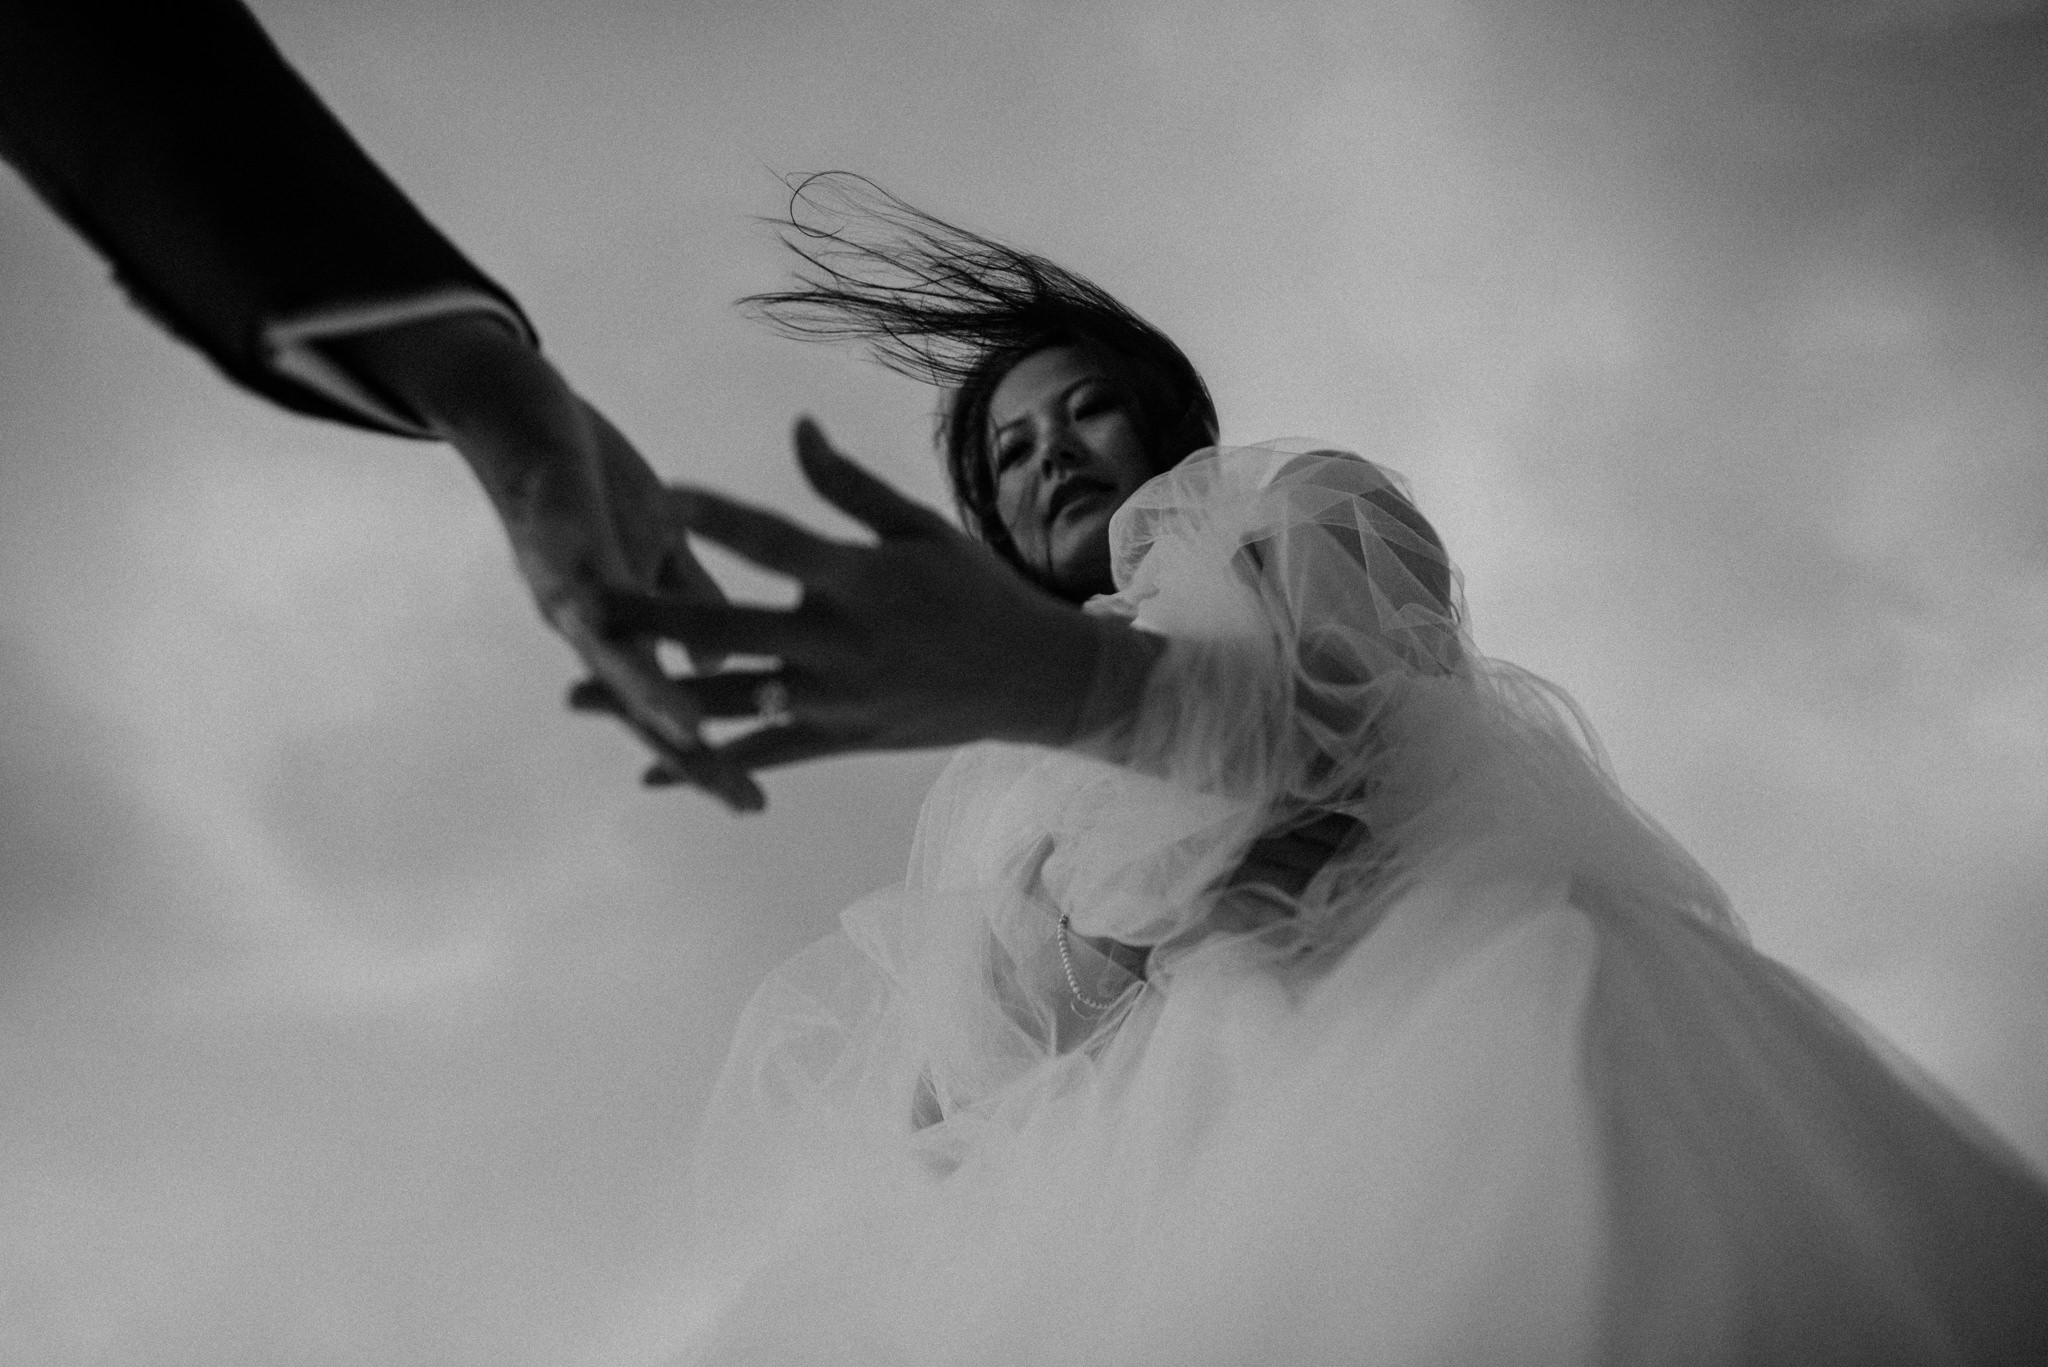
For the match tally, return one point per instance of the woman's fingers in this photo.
(722, 697)
(768, 539)
(739, 693)
(855, 491)
(715, 628)
(919, 641)
(767, 748)
(773, 746)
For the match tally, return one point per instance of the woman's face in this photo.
(1067, 450)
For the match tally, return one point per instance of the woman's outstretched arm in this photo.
(919, 640)
(925, 638)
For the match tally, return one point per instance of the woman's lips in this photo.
(1075, 496)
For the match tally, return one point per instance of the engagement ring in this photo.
(771, 702)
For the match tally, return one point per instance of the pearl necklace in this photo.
(1073, 984)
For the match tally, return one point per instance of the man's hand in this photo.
(582, 510)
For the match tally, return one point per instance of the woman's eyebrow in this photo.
(1060, 397)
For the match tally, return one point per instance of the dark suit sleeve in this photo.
(172, 135)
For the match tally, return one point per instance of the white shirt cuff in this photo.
(295, 351)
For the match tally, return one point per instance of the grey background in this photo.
(355, 1005)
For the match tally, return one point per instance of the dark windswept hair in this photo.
(933, 301)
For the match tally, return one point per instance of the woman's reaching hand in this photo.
(921, 639)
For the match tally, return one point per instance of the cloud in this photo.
(337, 957)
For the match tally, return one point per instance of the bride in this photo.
(1276, 978)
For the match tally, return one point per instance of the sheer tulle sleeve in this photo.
(1316, 663)
(1299, 593)
(1295, 590)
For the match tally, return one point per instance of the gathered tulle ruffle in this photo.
(1502, 1128)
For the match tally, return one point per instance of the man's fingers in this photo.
(860, 494)
(631, 672)
(677, 571)
(700, 768)
(707, 770)
(593, 695)
(768, 539)
(715, 628)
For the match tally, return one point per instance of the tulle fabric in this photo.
(1502, 1083)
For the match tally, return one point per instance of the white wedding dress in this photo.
(1503, 1084)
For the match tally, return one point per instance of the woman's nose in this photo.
(1061, 447)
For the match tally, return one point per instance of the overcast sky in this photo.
(355, 1004)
